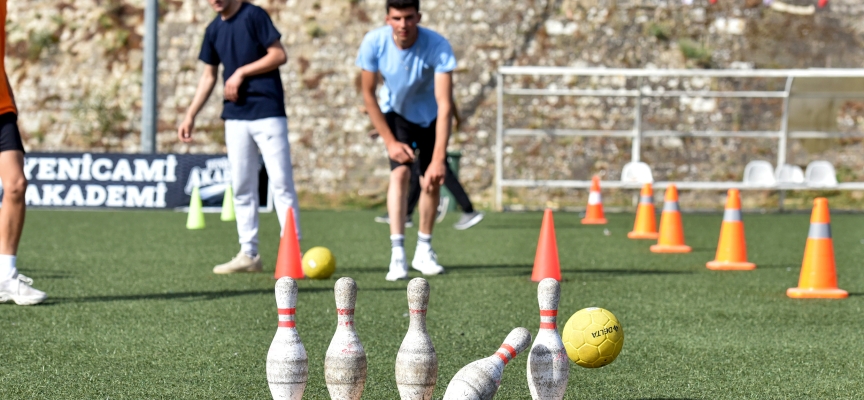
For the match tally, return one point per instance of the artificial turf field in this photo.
(134, 311)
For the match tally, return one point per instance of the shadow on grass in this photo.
(189, 296)
(525, 270)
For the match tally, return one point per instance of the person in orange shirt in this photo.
(13, 286)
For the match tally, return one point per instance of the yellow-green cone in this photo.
(228, 205)
(196, 215)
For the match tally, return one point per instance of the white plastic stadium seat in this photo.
(820, 173)
(637, 172)
(787, 173)
(759, 173)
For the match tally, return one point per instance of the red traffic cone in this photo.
(546, 263)
(288, 261)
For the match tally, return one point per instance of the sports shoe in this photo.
(443, 205)
(385, 219)
(398, 270)
(468, 220)
(427, 262)
(18, 289)
(240, 263)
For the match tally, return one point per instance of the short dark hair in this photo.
(401, 4)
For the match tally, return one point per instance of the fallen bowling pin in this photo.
(416, 361)
(345, 362)
(548, 365)
(480, 379)
(287, 363)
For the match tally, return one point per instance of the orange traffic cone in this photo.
(645, 226)
(288, 261)
(594, 212)
(818, 278)
(546, 263)
(732, 248)
(671, 232)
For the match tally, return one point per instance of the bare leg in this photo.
(13, 209)
(429, 198)
(397, 198)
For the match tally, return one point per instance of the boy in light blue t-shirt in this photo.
(413, 116)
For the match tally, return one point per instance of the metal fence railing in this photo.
(637, 133)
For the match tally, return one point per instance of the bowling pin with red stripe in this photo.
(345, 362)
(548, 365)
(416, 361)
(480, 379)
(287, 363)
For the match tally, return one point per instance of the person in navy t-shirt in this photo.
(243, 39)
(414, 115)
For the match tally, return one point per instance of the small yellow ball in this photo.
(318, 263)
(593, 337)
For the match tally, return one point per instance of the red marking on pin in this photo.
(509, 349)
(287, 324)
(502, 357)
(548, 325)
(417, 311)
(548, 313)
(345, 311)
(287, 311)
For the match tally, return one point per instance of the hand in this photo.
(400, 152)
(232, 85)
(434, 175)
(184, 131)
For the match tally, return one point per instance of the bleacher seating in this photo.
(787, 173)
(759, 173)
(637, 172)
(820, 174)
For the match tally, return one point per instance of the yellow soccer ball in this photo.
(318, 263)
(593, 337)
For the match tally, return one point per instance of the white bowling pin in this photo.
(416, 362)
(480, 379)
(548, 365)
(345, 362)
(287, 364)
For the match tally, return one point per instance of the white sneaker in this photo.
(240, 263)
(398, 270)
(427, 262)
(18, 289)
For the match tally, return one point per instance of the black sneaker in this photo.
(468, 220)
(385, 219)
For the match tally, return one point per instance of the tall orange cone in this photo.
(546, 263)
(818, 278)
(732, 247)
(288, 261)
(645, 226)
(594, 212)
(671, 231)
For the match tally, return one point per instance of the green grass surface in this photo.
(135, 313)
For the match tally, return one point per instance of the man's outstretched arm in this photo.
(397, 150)
(205, 87)
(444, 98)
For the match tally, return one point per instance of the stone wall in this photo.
(76, 69)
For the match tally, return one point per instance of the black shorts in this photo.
(421, 139)
(10, 136)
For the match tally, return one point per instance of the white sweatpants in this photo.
(244, 139)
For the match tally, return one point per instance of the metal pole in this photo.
(784, 128)
(784, 136)
(151, 44)
(499, 144)
(636, 145)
